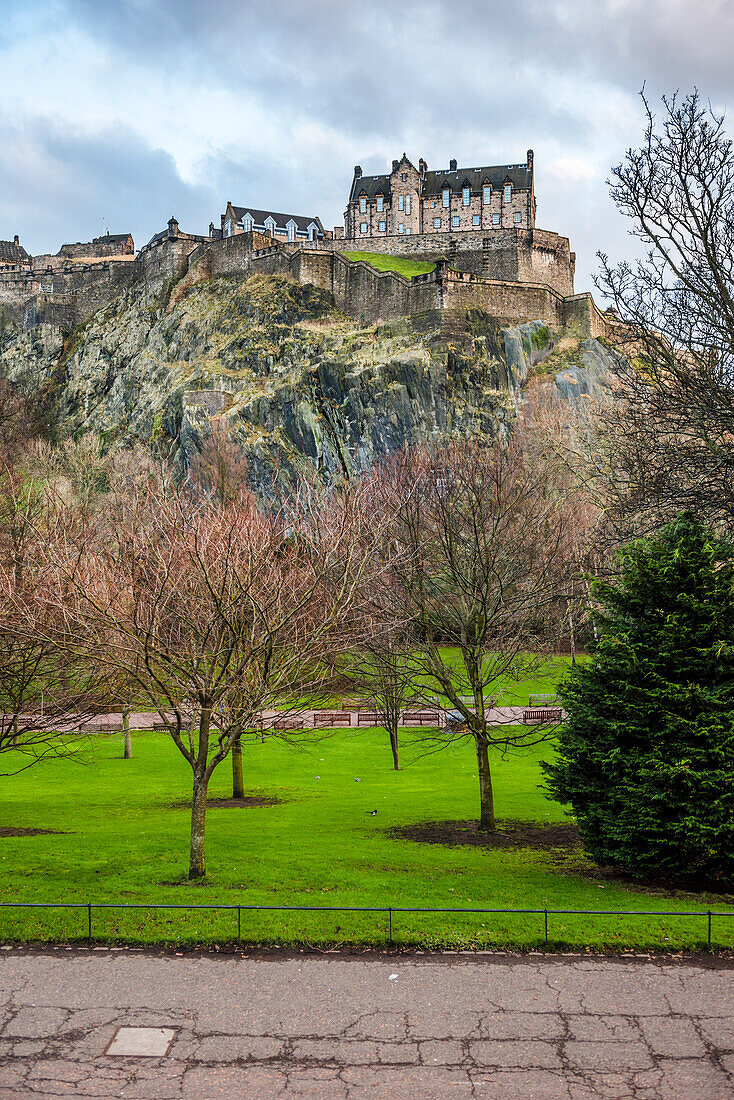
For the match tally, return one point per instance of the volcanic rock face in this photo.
(288, 377)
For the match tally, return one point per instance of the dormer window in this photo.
(380, 202)
(291, 227)
(446, 196)
(487, 193)
(508, 192)
(466, 196)
(270, 225)
(363, 204)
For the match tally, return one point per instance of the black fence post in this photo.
(239, 924)
(390, 920)
(89, 921)
(546, 926)
(709, 929)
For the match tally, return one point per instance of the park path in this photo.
(353, 1027)
(146, 720)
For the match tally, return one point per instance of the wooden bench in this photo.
(542, 714)
(543, 701)
(328, 719)
(287, 724)
(368, 718)
(421, 718)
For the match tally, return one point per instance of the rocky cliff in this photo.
(288, 375)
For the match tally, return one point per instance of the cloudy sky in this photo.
(120, 113)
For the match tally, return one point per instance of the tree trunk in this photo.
(238, 786)
(197, 862)
(394, 747)
(486, 797)
(571, 633)
(128, 750)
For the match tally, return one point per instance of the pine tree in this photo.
(646, 757)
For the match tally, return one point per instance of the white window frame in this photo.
(455, 221)
(270, 225)
(401, 228)
(379, 203)
(446, 198)
(291, 229)
(363, 227)
(495, 219)
(407, 204)
(507, 193)
(436, 223)
(228, 227)
(381, 226)
(487, 193)
(401, 202)
(363, 204)
(517, 218)
(476, 219)
(466, 196)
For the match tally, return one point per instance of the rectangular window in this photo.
(362, 204)
(446, 195)
(407, 231)
(404, 176)
(379, 203)
(401, 202)
(407, 204)
(455, 219)
(518, 216)
(476, 220)
(382, 226)
(436, 223)
(363, 227)
(487, 194)
(466, 196)
(433, 204)
(401, 228)
(508, 192)
(495, 219)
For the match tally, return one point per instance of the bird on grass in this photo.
(371, 812)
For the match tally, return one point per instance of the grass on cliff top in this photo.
(121, 831)
(381, 262)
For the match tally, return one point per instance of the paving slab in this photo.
(151, 1026)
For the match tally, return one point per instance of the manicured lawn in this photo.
(408, 268)
(123, 836)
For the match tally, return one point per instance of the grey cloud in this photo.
(58, 184)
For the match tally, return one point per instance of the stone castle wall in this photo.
(527, 281)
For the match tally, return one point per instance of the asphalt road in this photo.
(354, 1027)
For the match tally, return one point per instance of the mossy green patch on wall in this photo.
(383, 262)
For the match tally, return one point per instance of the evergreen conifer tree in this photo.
(646, 756)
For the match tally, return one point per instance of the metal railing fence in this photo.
(386, 910)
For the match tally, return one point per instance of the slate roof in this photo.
(281, 220)
(519, 175)
(13, 253)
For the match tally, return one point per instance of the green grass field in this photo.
(379, 260)
(123, 836)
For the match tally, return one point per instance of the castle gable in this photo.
(270, 221)
(12, 254)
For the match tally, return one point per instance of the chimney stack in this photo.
(16, 239)
(357, 171)
(395, 165)
(452, 166)
(530, 158)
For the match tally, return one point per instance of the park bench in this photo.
(359, 704)
(368, 718)
(543, 701)
(542, 714)
(421, 718)
(330, 719)
(287, 723)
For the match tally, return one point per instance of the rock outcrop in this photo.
(288, 376)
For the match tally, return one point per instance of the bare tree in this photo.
(219, 614)
(484, 545)
(671, 429)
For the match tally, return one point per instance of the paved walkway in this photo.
(351, 1027)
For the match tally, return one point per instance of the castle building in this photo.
(13, 257)
(288, 227)
(413, 200)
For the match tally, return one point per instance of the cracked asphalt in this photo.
(348, 1026)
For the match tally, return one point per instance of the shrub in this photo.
(646, 757)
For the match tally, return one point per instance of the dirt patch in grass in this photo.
(9, 830)
(250, 800)
(510, 834)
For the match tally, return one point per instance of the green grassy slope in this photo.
(382, 262)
